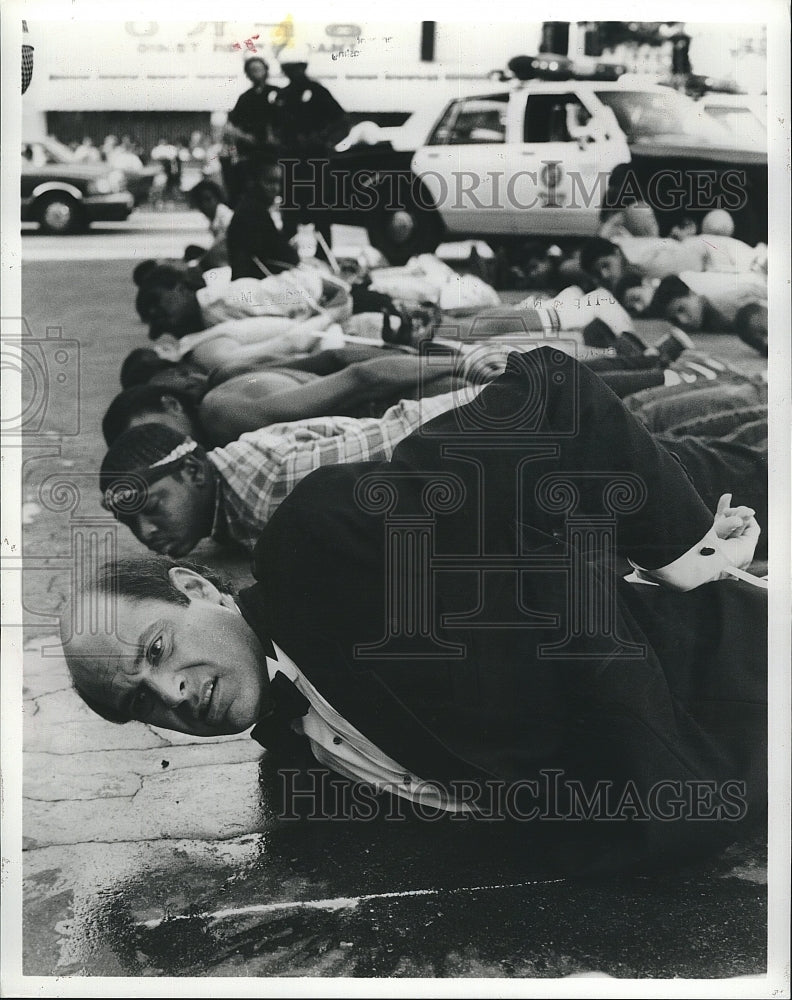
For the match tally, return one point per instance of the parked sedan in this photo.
(64, 196)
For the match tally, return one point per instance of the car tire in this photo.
(404, 231)
(59, 214)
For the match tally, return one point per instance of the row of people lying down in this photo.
(723, 280)
(221, 323)
(251, 240)
(252, 389)
(628, 258)
(260, 362)
(217, 321)
(162, 477)
(665, 694)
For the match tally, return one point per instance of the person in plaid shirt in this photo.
(172, 493)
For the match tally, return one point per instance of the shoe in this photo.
(598, 334)
(396, 327)
(630, 345)
(670, 347)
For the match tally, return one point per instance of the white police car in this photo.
(541, 159)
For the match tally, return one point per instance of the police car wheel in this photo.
(402, 232)
(59, 214)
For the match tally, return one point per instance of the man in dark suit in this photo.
(451, 626)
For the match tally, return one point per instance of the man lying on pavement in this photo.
(529, 654)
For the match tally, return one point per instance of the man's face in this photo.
(686, 312)
(196, 669)
(175, 310)
(178, 511)
(257, 72)
(608, 270)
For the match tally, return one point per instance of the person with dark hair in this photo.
(666, 295)
(209, 199)
(493, 687)
(750, 325)
(173, 406)
(634, 292)
(648, 256)
(171, 493)
(711, 302)
(604, 261)
(146, 268)
(218, 320)
(683, 228)
(356, 381)
(257, 245)
(656, 257)
(252, 126)
(143, 365)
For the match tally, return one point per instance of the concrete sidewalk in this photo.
(146, 855)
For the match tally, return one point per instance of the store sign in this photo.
(227, 36)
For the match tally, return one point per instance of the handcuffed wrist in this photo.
(702, 563)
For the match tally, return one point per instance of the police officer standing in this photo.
(251, 129)
(311, 123)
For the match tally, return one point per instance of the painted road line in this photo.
(336, 903)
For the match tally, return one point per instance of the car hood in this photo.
(63, 171)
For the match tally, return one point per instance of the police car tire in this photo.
(423, 235)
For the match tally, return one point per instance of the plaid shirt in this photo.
(257, 472)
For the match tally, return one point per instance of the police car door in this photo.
(461, 162)
(560, 170)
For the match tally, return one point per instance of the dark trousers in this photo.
(306, 194)
(701, 406)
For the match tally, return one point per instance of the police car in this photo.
(544, 159)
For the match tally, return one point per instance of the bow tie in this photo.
(274, 731)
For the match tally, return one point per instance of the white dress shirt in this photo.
(342, 748)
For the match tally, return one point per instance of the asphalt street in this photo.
(147, 854)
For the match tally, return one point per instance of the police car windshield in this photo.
(651, 116)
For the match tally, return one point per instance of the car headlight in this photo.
(108, 183)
